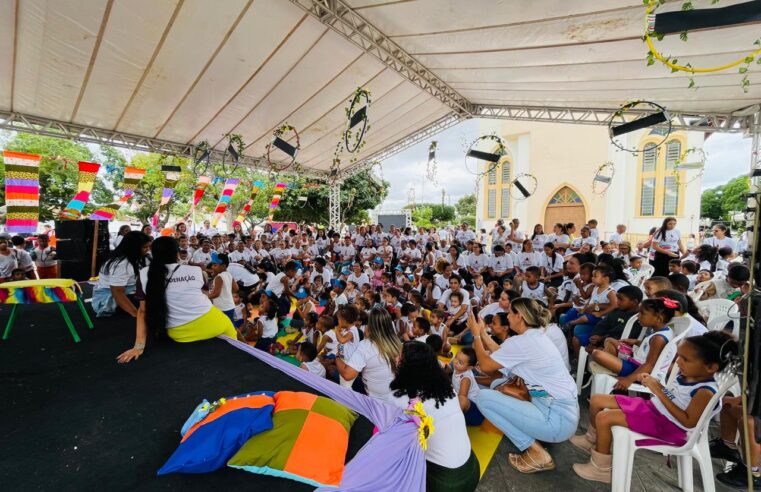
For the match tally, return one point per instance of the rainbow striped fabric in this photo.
(171, 177)
(22, 191)
(224, 200)
(132, 177)
(41, 291)
(88, 171)
(276, 199)
(254, 191)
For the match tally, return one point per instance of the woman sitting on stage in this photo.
(172, 303)
(118, 276)
(450, 462)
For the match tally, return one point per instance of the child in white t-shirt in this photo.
(307, 356)
(240, 310)
(23, 258)
(465, 386)
(347, 335)
(421, 329)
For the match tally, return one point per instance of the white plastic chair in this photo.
(644, 273)
(604, 383)
(581, 368)
(715, 307)
(720, 322)
(696, 447)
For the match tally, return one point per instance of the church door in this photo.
(565, 206)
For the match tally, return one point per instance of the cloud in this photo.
(727, 156)
(408, 169)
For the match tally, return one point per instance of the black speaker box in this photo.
(76, 244)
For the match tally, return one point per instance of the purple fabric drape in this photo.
(392, 460)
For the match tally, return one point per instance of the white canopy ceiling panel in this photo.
(328, 57)
(7, 35)
(54, 47)
(390, 124)
(257, 35)
(386, 89)
(733, 41)
(129, 41)
(334, 125)
(423, 16)
(336, 91)
(654, 83)
(572, 73)
(278, 64)
(198, 31)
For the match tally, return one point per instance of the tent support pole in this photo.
(334, 205)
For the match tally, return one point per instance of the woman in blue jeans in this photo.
(552, 413)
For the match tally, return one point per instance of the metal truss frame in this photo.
(60, 129)
(334, 205)
(337, 15)
(588, 116)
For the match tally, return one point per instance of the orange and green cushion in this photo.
(307, 443)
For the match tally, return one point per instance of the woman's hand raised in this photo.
(475, 326)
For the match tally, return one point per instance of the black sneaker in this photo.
(737, 477)
(720, 451)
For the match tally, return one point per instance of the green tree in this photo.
(720, 202)
(432, 214)
(466, 205)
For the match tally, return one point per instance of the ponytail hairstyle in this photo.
(164, 251)
(666, 307)
(714, 347)
(534, 314)
(686, 304)
(562, 227)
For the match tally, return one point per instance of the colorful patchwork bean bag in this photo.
(307, 443)
(216, 431)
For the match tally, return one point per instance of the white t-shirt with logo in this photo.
(185, 301)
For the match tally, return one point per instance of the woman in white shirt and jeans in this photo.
(552, 413)
(375, 357)
(451, 465)
(173, 304)
(117, 279)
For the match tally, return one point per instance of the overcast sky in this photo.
(728, 155)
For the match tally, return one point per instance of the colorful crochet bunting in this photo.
(276, 199)
(224, 200)
(88, 171)
(132, 177)
(203, 183)
(242, 215)
(22, 191)
(171, 177)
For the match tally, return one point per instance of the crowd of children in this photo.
(322, 286)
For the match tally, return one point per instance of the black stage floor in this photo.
(71, 418)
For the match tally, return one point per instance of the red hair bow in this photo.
(670, 303)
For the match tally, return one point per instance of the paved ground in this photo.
(651, 471)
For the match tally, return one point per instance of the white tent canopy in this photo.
(164, 75)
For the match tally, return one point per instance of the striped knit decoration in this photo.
(171, 177)
(88, 171)
(242, 215)
(276, 199)
(22, 191)
(224, 200)
(203, 183)
(132, 177)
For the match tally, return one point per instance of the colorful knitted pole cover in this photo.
(171, 177)
(132, 177)
(203, 183)
(254, 191)
(22, 191)
(224, 200)
(88, 171)
(276, 199)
